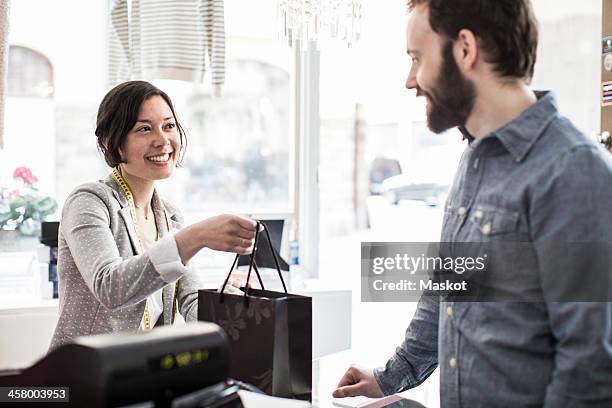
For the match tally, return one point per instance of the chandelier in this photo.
(307, 21)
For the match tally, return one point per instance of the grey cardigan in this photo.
(104, 280)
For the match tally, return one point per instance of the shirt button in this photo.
(462, 211)
(478, 214)
(453, 363)
(449, 311)
(486, 229)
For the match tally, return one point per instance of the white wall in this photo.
(71, 34)
(569, 58)
(55, 137)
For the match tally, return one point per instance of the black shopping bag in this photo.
(270, 333)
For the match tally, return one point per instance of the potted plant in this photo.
(23, 207)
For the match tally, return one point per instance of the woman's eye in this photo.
(171, 125)
(144, 129)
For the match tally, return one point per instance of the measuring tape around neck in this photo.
(130, 198)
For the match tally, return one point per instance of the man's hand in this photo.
(358, 381)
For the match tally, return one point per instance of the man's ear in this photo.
(466, 50)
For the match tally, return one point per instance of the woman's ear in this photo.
(103, 143)
(179, 157)
(121, 156)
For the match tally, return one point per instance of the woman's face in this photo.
(152, 147)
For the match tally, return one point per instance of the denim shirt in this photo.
(536, 179)
(608, 339)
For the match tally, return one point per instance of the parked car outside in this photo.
(429, 167)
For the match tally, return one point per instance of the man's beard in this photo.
(452, 98)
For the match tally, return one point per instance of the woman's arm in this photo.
(114, 281)
(228, 233)
(118, 282)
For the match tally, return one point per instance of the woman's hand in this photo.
(233, 287)
(228, 233)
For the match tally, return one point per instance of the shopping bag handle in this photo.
(253, 265)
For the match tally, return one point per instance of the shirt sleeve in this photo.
(571, 227)
(166, 259)
(417, 357)
(608, 338)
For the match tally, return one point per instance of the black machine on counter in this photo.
(180, 366)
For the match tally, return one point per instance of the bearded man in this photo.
(527, 176)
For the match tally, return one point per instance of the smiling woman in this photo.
(123, 253)
(148, 149)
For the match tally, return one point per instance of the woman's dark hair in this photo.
(507, 29)
(118, 113)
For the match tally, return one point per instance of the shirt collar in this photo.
(157, 201)
(466, 134)
(519, 136)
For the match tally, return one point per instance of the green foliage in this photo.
(25, 208)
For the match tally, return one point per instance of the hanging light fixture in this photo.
(306, 21)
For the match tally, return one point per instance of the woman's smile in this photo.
(160, 159)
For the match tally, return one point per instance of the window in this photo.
(30, 73)
(367, 117)
(238, 152)
(238, 146)
(55, 83)
(30, 89)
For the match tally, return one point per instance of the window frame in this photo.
(306, 123)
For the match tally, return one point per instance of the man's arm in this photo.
(608, 337)
(417, 357)
(571, 227)
(411, 364)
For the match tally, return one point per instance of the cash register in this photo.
(174, 366)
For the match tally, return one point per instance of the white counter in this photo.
(27, 324)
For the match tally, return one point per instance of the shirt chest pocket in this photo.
(490, 222)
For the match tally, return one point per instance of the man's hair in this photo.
(118, 113)
(507, 30)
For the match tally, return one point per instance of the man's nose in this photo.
(411, 82)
